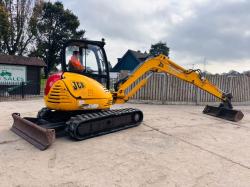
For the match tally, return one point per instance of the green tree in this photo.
(17, 25)
(54, 27)
(159, 48)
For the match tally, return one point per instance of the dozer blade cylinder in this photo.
(40, 137)
(224, 113)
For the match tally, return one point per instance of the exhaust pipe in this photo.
(38, 136)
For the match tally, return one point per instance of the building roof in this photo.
(21, 60)
(139, 55)
(130, 60)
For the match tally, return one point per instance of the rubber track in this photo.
(103, 122)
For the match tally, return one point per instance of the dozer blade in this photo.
(40, 137)
(220, 112)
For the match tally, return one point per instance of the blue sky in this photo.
(207, 34)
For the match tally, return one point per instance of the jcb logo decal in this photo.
(77, 85)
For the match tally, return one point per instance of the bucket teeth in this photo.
(40, 137)
(224, 113)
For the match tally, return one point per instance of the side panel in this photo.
(78, 92)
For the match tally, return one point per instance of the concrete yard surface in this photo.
(174, 146)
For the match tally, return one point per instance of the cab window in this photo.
(91, 57)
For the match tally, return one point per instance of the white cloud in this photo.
(217, 30)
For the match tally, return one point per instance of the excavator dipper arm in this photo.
(163, 64)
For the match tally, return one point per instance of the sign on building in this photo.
(12, 74)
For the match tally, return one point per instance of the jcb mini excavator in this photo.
(78, 104)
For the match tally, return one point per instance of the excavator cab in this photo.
(92, 57)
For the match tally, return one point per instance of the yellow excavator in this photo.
(78, 103)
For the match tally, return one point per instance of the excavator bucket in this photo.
(38, 136)
(224, 113)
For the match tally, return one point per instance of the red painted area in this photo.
(51, 80)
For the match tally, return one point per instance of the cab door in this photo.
(94, 63)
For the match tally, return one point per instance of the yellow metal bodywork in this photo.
(78, 92)
(163, 64)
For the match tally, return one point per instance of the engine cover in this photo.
(77, 92)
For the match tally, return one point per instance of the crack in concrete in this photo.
(201, 148)
(183, 126)
(8, 141)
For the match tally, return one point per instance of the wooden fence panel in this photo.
(169, 89)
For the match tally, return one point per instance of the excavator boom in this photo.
(163, 64)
